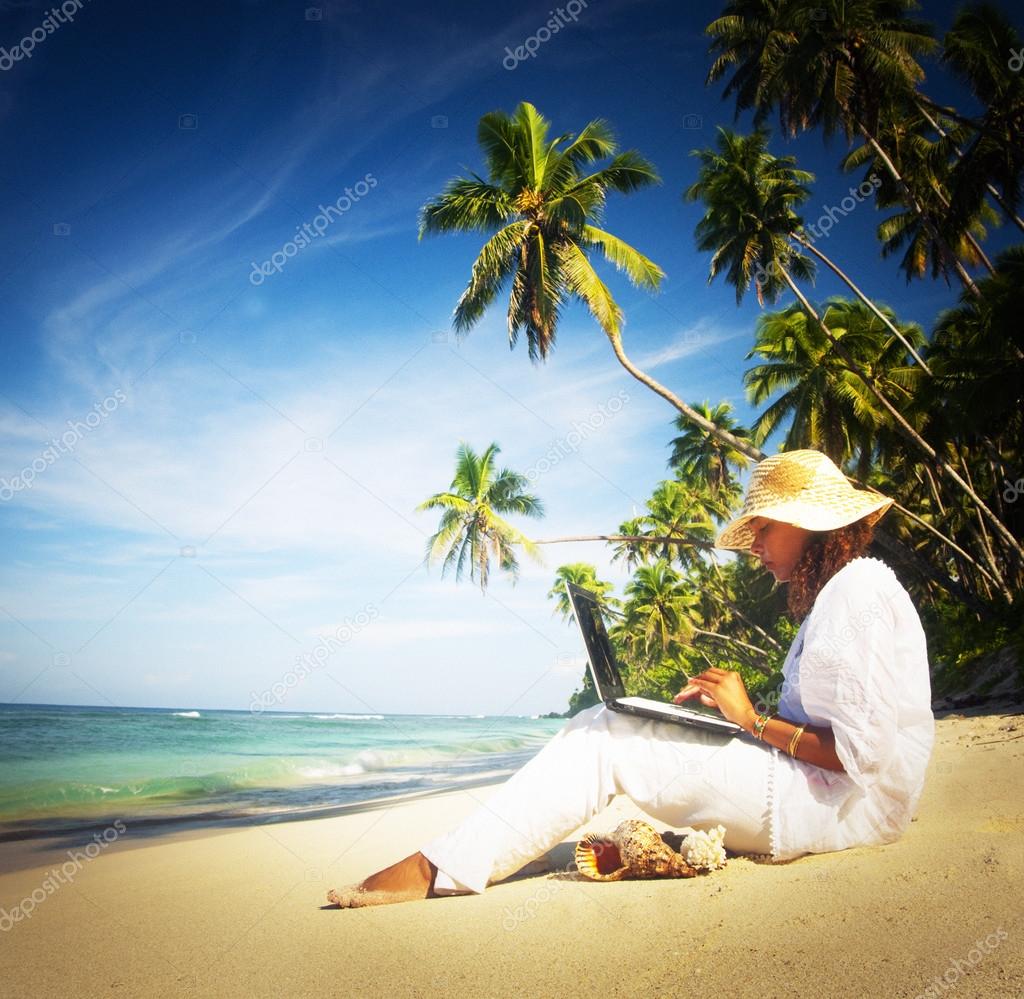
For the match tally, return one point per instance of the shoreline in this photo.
(241, 911)
(50, 846)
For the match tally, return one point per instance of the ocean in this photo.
(69, 768)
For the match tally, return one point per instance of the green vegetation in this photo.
(930, 418)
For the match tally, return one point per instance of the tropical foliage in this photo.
(472, 531)
(932, 415)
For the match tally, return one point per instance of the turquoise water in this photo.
(68, 767)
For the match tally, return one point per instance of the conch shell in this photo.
(634, 850)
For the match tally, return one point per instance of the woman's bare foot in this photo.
(409, 879)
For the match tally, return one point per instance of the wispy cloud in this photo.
(696, 340)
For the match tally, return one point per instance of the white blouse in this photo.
(858, 664)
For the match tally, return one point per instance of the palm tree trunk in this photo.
(996, 196)
(760, 667)
(949, 542)
(958, 555)
(986, 541)
(975, 245)
(912, 201)
(904, 427)
(743, 617)
(902, 553)
(892, 544)
(672, 539)
(804, 241)
(688, 411)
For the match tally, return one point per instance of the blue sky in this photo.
(247, 480)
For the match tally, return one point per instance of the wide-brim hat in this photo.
(804, 488)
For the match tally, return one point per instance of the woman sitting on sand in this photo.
(840, 763)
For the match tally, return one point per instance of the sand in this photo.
(238, 912)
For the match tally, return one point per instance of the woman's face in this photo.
(778, 545)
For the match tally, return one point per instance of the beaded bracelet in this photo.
(758, 730)
(799, 731)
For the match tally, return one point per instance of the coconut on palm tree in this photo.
(472, 530)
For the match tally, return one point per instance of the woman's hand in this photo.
(723, 689)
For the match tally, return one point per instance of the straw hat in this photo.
(804, 488)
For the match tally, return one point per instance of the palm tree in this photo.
(825, 401)
(975, 49)
(539, 209)
(471, 530)
(584, 575)
(676, 525)
(673, 510)
(696, 454)
(750, 199)
(661, 618)
(658, 619)
(928, 233)
(745, 164)
(979, 349)
(837, 64)
(635, 551)
(543, 207)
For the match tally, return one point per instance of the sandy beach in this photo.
(238, 912)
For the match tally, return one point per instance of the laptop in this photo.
(604, 671)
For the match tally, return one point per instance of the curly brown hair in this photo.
(826, 553)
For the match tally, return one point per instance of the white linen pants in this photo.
(680, 775)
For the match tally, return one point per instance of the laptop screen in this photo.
(603, 668)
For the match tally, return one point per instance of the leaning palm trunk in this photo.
(743, 617)
(996, 196)
(760, 667)
(805, 242)
(964, 559)
(961, 272)
(896, 547)
(646, 538)
(905, 429)
(969, 236)
(985, 539)
(960, 553)
(688, 411)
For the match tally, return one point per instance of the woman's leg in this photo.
(681, 775)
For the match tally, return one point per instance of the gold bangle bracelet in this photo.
(794, 739)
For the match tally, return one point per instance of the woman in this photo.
(839, 762)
